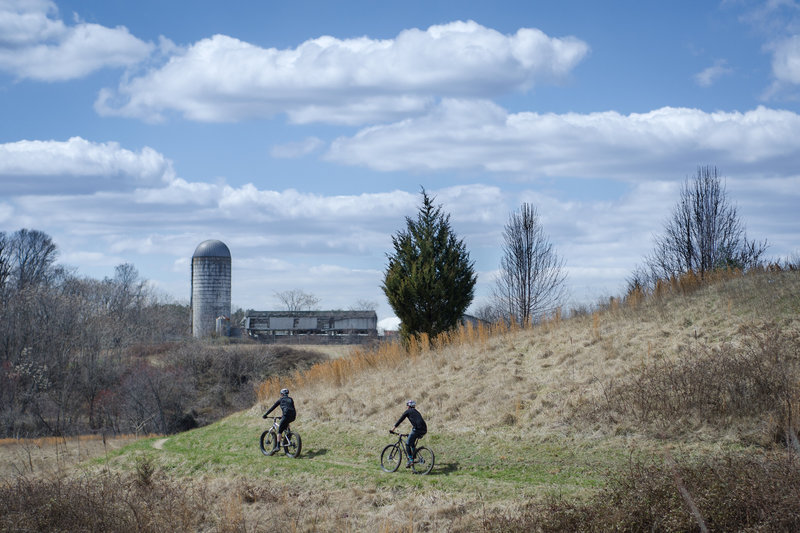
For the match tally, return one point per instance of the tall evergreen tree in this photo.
(430, 280)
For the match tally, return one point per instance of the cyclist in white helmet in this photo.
(418, 428)
(288, 411)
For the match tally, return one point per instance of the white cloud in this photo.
(297, 149)
(35, 45)
(710, 75)
(279, 239)
(354, 113)
(778, 21)
(769, 207)
(786, 60)
(27, 22)
(6, 213)
(91, 258)
(343, 80)
(78, 166)
(296, 205)
(477, 134)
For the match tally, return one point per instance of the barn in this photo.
(312, 327)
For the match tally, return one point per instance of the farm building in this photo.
(311, 326)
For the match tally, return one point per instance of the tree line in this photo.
(429, 280)
(81, 355)
(64, 341)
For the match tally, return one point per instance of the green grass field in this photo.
(495, 465)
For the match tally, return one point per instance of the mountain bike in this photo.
(393, 454)
(291, 440)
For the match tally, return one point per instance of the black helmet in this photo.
(411, 403)
(284, 392)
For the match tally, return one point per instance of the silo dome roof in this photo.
(211, 248)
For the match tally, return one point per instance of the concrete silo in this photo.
(211, 286)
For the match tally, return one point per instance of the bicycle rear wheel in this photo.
(268, 442)
(423, 461)
(391, 457)
(294, 446)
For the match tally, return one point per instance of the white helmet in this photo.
(284, 392)
(411, 403)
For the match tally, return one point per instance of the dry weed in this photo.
(751, 380)
(731, 493)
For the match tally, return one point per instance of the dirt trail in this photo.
(159, 444)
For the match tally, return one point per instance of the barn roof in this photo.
(310, 314)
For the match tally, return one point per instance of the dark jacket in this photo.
(416, 421)
(287, 407)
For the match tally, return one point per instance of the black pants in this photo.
(286, 419)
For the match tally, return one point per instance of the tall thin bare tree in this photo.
(532, 276)
(5, 259)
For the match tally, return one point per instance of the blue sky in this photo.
(300, 133)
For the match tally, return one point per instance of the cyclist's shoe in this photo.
(408, 464)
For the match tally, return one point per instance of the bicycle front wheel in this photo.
(295, 445)
(423, 461)
(391, 457)
(268, 442)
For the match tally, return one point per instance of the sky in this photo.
(302, 133)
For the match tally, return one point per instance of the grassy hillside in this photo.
(569, 424)
(534, 381)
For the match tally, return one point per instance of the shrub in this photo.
(757, 380)
(732, 493)
(103, 502)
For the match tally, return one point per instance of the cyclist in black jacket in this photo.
(418, 428)
(287, 409)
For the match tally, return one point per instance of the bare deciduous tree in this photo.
(532, 277)
(33, 254)
(129, 290)
(364, 305)
(65, 341)
(489, 312)
(297, 300)
(703, 233)
(5, 259)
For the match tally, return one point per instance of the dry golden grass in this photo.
(329, 351)
(530, 380)
(45, 456)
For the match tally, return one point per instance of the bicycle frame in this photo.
(291, 442)
(402, 443)
(393, 454)
(276, 425)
